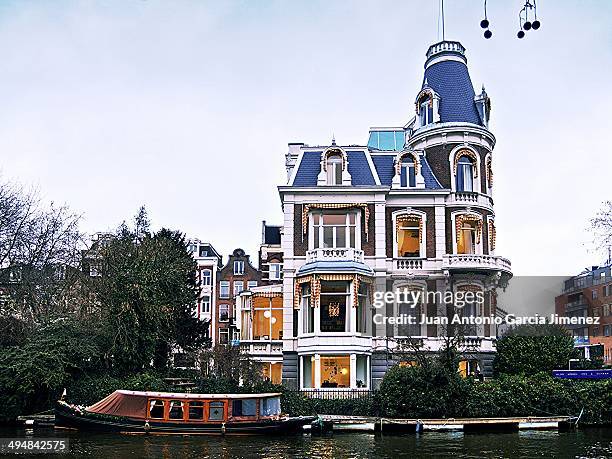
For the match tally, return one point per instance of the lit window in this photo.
(206, 276)
(408, 172)
(224, 289)
(223, 312)
(267, 318)
(408, 238)
(275, 271)
(335, 371)
(334, 230)
(466, 239)
(465, 174)
(238, 267)
(251, 284)
(334, 169)
(238, 287)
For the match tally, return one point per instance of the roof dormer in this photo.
(334, 167)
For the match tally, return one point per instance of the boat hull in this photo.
(70, 418)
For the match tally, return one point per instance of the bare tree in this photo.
(39, 254)
(601, 225)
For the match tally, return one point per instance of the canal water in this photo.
(590, 443)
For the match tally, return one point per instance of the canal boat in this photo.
(136, 412)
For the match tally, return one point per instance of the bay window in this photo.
(307, 309)
(363, 297)
(413, 310)
(334, 230)
(334, 304)
(335, 371)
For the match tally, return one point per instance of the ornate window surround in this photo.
(489, 171)
(322, 177)
(434, 101)
(412, 285)
(453, 159)
(396, 217)
(474, 216)
(397, 165)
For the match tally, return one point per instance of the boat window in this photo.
(215, 411)
(156, 409)
(176, 410)
(270, 406)
(246, 407)
(196, 410)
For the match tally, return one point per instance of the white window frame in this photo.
(478, 245)
(334, 163)
(275, 271)
(203, 277)
(316, 232)
(238, 267)
(206, 304)
(251, 284)
(238, 287)
(222, 285)
(423, 236)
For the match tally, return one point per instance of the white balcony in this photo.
(415, 264)
(348, 254)
(473, 261)
(469, 198)
(255, 347)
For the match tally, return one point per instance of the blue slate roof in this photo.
(451, 80)
(384, 167)
(310, 166)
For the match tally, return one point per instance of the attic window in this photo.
(408, 172)
(426, 110)
(334, 169)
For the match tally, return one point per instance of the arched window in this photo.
(426, 111)
(408, 172)
(409, 236)
(334, 169)
(206, 276)
(465, 174)
(466, 239)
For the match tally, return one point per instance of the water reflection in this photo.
(594, 443)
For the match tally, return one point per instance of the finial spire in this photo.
(333, 139)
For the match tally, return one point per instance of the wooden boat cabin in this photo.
(157, 412)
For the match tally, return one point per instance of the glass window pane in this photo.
(328, 237)
(338, 173)
(351, 218)
(411, 177)
(386, 140)
(340, 236)
(352, 237)
(373, 141)
(196, 410)
(399, 140)
(215, 411)
(334, 219)
(176, 410)
(156, 409)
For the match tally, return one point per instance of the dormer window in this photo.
(334, 169)
(465, 174)
(408, 172)
(426, 111)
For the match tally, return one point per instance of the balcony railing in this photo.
(410, 264)
(262, 347)
(469, 198)
(347, 254)
(474, 261)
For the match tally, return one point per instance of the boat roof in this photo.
(191, 396)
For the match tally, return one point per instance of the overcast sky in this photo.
(187, 107)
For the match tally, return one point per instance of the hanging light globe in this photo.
(527, 25)
(484, 23)
(521, 34)
(535, 25)
(488, 34)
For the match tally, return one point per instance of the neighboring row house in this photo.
(411, 209)
(589, 295)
